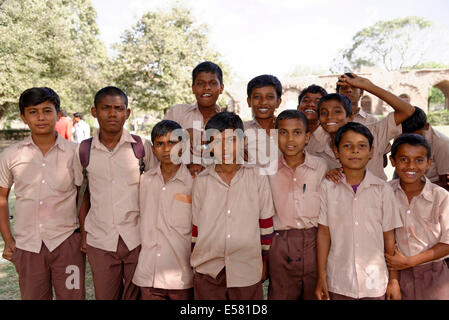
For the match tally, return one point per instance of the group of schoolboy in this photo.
(324, 225)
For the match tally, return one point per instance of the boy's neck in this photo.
(227, 171)
(169, 170)
(294, 161)
(354, 176)
(267, 124)
(208, 112)
(313, 125)
(412, 189)
(108, 139)
(44, 142)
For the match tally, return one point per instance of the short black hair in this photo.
(356, 127)
(344, 100)
(64, 113)
(110, 91)
(78, 115)
(412, 139)
(224, 120)
(37, 95)
(292, 114)
(210, 67)
(416, 121)
(265, 80)
(163, 127)
(311, 89)
(337, 89)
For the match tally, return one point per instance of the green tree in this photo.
(155, 58)
(50, 43)
(394, 45)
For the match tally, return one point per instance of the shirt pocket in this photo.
(310, 204)
(61, 179)
(181, 213)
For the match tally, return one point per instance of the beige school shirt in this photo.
(365, 118)
(45, 209)
(114, 192)
(425, 218)
(356, 263)
(296, 193)
(227, 217)
(262, 148)
(166, 230)
(383, 131)
(186, 114)
(439, 144)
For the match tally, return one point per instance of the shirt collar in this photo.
(182, 174)
(426, 192)
(60, 142)
(308, 162)
(125, 137)
(369, 180)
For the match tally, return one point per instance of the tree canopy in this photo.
(393, 45)
(50, 43)
(155, 58)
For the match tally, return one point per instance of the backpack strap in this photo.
(84, 153)
(139, 152)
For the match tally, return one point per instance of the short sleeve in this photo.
(150, 159)
(265, 197)
(77, 168)
(391, 218)
(322, 218)
(385, 130)
(6, 177)
(443, 209)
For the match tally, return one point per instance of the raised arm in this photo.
(402, 109)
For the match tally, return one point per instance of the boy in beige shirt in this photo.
(232, 219)
(110, 214)
(163, 271)
(356, 226)
(45, 250)
(423, 241)
(438, 171)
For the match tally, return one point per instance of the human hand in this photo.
(393, 290)
(264, 271)
(10, 247)
(397, 261)
(321, 290)
(83, 241)
(335, 175)
(356, 82)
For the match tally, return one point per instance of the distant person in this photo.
(64, 126)
(354, 94)
(81, 130)
(308, 103)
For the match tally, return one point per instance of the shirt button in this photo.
(43, 164)
(43, 181)
(158, 254)
(294, 179)
(113, 181)
(163, 188)
(298, 224)
(229, 236)
(229, 211)
(356, 223)
(41, 202)
(355, 198)
(408, 211)
(40, 226)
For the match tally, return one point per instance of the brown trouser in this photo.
(207, 288)
(336, 296)
(112, 272)
(63, 269)
(150, 293)
(425, 282)
(292, 265)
